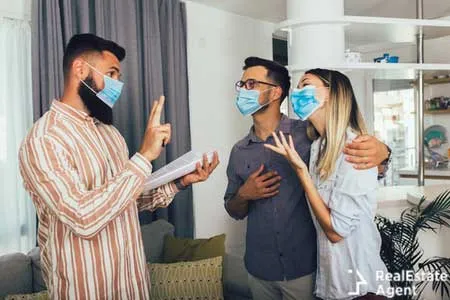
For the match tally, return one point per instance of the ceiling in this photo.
(275, 10)
(269, 10)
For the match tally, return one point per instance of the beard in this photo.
(96, 107)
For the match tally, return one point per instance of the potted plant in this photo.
(401, 251)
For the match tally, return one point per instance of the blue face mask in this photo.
(247, 101)
(304, 102)
(112, 90)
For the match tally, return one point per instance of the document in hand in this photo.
(183, 165)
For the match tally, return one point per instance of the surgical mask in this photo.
(247, 101)
(112, 90)
(304, 102)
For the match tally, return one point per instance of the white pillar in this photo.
(317, 45)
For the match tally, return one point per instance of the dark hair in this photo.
(86, 43)
(275, 71)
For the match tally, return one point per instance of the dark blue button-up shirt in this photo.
(281, 239)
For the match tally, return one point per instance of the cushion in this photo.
(15, 274)
(36, 296)
(153, 239)
(200, 279)
(38, 280)
(183, 249)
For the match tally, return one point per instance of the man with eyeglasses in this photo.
(280, 252)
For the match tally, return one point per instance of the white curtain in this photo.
(17, 214)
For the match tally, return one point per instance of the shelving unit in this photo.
(368, 34)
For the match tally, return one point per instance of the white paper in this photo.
(183, 165)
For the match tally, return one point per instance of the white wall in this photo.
(218, 43)
(362, 87)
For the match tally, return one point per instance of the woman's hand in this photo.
(287, 150)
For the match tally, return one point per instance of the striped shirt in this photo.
(87, 193)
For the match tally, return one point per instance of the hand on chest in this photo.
(256, 155)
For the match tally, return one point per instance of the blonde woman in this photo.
(341, 199)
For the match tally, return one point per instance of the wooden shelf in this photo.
(430, 79)
(437, 112)
(443, 177)
(437, 81)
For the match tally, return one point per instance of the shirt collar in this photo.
(71, 113)
(284, 126)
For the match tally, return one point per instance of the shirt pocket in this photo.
(248, 166)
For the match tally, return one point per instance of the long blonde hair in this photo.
(341, 112)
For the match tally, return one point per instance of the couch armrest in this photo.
(153, 239)
(235, 276)
(15, 274)
(38, 280)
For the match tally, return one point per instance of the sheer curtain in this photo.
(17, 214)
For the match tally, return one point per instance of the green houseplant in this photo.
(401, 251)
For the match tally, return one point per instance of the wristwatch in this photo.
(385, 163)
(179, 185)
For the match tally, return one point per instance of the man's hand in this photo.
(366, 152)
(202, 172)
(155, 134)
(260, 186)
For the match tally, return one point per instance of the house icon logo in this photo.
(360, 282)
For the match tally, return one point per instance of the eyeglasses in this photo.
(251, 84)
